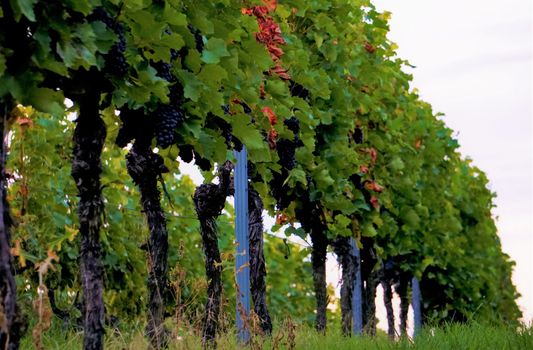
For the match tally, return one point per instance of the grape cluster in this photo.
(286, 151)
(168, 117)
(214, 122)
(164, 71)
(358, 136)
(279, 191)
(293, 124)
(198, 39)
(287, 148)
(115, 60)
(246, 109)
(298, 90)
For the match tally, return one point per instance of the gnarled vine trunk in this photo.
(209, 200)
(89, 137)
(387, 299)
(370, 280)
(257, 260)
(318, 263)
(13, 324)
(310, 216)
(348, 263)
(145, 167)
(402, 290)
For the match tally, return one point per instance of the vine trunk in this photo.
(89, 137)
(348, 263)
(13, 325)
(257, 261)
(209, 200)
(145, 167)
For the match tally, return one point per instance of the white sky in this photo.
(473, 62)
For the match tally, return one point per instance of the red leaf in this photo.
(270, 114)
(373, 186)
(375, 202)
(281, 219)
(363, 169)
(373, 155)
(275, 52)
(22, 121)
(280, 71)
(369, 47)
(271, 4)
(272, 138)
(260, 11)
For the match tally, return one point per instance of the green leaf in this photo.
(46, 100)
(2, 64)
(25, 7)
(296, 176)
(191, 85)
(291, 230)
(396, 164)
(214, 50)
(212, 75)
(368, 230)
(250, 137)
(173, 17)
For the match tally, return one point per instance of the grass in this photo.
(473, 336)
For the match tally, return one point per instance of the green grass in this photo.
(454, 336)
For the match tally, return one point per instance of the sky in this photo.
(474, 63)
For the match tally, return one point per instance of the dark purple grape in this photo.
(286, 150)
(298, 90)
(115, 61)
(293, 124)
(358, 136)
(168, 118)
(164, 71)
(198, 39)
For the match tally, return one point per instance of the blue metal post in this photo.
(357, 295)
(242, 261)
(416, 303)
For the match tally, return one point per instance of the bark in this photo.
(89, 137)
(12, 323)
(145, 167)
(387, 299)
(209, 200)
(369, 314)
(370, 280)
(257, 261)
(402, 289)
(310, 216)
(348, 264)
(318, 261)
